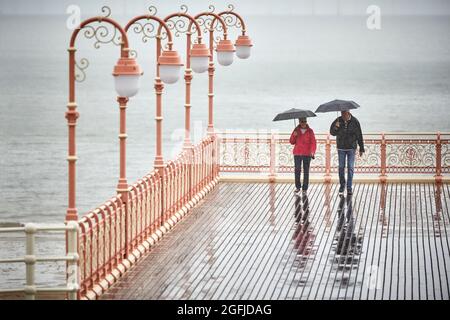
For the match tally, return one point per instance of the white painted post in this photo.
(72, 264)
(30, 261)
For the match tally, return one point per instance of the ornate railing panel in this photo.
(391, 153)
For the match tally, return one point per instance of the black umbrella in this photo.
(337, 105)
(294, 114)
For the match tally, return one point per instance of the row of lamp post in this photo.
(127, 73)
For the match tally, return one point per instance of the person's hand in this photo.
(295, 132)
(312, 156)
(361, 153)
(337, 124)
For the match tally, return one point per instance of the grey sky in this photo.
(246, 7)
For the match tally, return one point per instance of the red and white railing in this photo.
(118, 232)
(386, 154)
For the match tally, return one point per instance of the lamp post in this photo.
(167, 71)
(225, 50)
(242, 47)
(197, 60)
(126, 74)
(243, 43)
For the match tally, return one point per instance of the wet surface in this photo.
(260, 241)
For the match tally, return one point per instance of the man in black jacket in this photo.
(348, 134)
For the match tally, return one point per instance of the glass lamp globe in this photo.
(169, 66)
(127, 74)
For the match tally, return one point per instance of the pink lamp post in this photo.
(126, 73)
(243, 46)
(243, 43)
(197, 60)
(167, 71)
(225, 50)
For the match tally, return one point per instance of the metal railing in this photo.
(385, 153)
(111, 234)
(30, 259)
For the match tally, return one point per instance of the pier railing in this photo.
(31, 258)
(385, 154)
(114, 235)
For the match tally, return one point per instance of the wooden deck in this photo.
(259, 241)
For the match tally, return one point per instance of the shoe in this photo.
(296, 190)
(341, 191)
(304, 193)
(349, 192)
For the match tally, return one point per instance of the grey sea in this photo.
(400, 75)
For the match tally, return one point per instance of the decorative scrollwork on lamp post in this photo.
(126, 75)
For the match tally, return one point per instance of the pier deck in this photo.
(259, 241)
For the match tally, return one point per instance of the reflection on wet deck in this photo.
(259, 241)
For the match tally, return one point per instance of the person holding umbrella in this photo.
(347, 131)
(304, 142)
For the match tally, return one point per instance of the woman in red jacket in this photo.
(304, 142)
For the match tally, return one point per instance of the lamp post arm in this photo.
(154, 18)
(124, 44)
(238, 16)
(124, 51)
(216, 17)
(192, 21)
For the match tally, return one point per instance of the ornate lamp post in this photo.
(126, 74)
(197, 58)
(243, 43)
(167, 69)
(225, 50)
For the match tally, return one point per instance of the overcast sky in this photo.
(246, 7)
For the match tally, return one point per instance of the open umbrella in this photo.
(337, 105)
(294, 114)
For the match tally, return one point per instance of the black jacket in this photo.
(347, 136)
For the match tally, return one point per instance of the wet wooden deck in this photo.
(259, 241)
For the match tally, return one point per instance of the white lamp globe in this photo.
(225, 58)
(127, 85)
(199, 64)
(169, 73)
(243, 52)
(169, 66)
(243, 47)
(199, 57)
(225, 52)
(127, 74)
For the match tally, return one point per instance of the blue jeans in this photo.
(350, 156)
(298, 160)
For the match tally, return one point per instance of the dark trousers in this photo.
(348, 155)
(298, 160)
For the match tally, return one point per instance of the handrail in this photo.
(30, 259)
(386, 153)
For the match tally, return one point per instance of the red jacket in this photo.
(305, 143)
